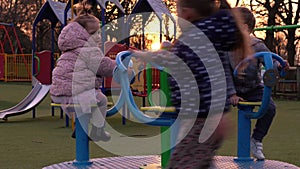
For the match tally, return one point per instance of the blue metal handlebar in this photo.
(267, 56)
(127, 54)
(122, 61)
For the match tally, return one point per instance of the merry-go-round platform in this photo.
(245, 114)
(144, 162)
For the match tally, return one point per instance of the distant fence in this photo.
(289, 86)
(17, 67)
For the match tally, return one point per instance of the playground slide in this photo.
(37, 94)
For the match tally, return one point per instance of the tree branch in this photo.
(297, 17)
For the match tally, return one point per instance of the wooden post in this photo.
(72, 10)
(298, 82)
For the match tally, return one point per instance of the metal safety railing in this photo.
(15, 67)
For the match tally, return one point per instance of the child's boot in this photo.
(99, 134)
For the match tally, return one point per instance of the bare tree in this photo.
(289, 14)
(279, 12)
(270, 9)
(21, 13)
(170, 4)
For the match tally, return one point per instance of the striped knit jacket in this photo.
(202, 50)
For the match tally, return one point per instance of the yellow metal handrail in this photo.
(250, 103)
(158, 109)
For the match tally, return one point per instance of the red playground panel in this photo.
(139, 87)
(1, 67)
(43, 68)
(111, 50)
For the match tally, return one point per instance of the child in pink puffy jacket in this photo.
(81, 62)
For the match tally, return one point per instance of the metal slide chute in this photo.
(37, 94)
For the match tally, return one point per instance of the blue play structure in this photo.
(146, 7)
(58, 12)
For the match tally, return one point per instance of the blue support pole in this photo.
(124, 114)
(52, 46)
(82, 142)
(52, 110)
(244, 132)
(61, 113)
(128, 113)
(67, 121)
(174, 134)
(103, 22)
(32, 59)
(160, 31)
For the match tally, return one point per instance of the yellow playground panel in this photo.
(17, 67)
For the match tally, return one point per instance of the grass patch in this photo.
(283, 140)
(35, 143)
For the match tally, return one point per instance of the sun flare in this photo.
(155, 46)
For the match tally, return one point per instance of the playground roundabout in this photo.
(242, 161)
(144, 162)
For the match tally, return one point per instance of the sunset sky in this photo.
(153, 29)
(232, 2)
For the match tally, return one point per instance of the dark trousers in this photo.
(189, 153)
(263, 124)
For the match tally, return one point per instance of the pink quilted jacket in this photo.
(81, 61)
